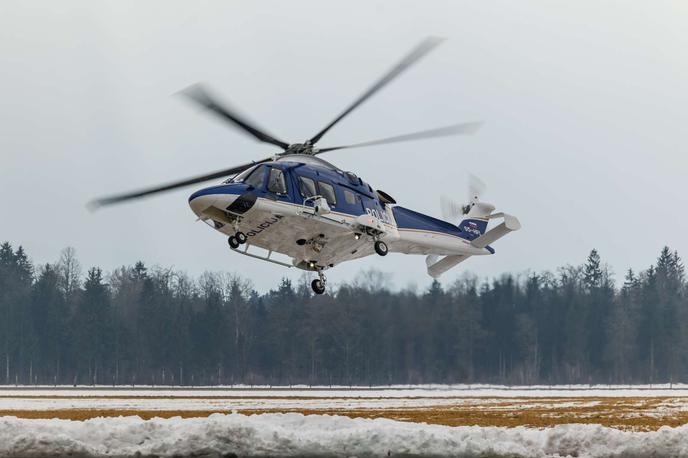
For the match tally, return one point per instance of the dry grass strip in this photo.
(636, 413)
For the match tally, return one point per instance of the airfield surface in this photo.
(638, 408)
(301, 421)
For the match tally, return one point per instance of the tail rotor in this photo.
(476, 188)
(453, 211)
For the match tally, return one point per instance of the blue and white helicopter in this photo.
(298, 206)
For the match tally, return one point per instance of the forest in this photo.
(147, 325)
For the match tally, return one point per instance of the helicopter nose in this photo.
(200, 200)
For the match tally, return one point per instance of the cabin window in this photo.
(307, 187)
(327, 191)
(350, 197)
(276, 182)
(257, 178)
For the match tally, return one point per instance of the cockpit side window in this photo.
(276, 182)
(256, 178)
(327, 191)
(307, 187)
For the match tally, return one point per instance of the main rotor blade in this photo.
(201, 96)
(94, 204)
(455, 129)
(416, 54)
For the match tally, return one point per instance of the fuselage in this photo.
(273, 202)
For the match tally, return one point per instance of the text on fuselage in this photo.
(380, 215)
(264, 225)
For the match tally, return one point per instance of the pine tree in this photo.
(592, 273)
(599, 304)
(92, 330)
(49, 316)
(622, 329)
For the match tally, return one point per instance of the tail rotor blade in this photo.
(476, 187)
(451, 210)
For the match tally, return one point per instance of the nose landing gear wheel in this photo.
(318, 286)
(240, 237)
(233, 242)
(381, 248)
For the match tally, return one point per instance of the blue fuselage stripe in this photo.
(409, 219)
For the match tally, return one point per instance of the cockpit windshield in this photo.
(240, 177)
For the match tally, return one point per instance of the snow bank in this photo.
(298, 435)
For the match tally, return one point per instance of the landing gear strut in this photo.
(381, 248)
(318, 284)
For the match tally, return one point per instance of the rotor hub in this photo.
(301, 148)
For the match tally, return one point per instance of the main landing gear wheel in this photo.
(318, 286)
(381, 248)
(240, 237)
(233, 242)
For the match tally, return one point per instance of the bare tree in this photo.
(69, 269)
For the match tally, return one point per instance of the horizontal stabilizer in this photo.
(437, 267)
(509, 224)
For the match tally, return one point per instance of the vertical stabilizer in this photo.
(475, 223)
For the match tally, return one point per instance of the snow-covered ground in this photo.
(556, 415)
(331, 399)
(288, 399)
(297, 435)
(228, 403)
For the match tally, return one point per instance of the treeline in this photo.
(140, 325)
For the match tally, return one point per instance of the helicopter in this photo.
(296, 205)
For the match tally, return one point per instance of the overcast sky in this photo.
(585, 107)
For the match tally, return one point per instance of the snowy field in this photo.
(317, 435)
(437, 420)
